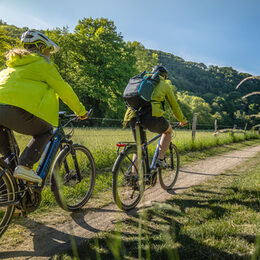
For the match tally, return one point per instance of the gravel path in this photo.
(44, 240)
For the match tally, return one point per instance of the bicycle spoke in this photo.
(126, 188)
(168, 176)
(7, 198)
(74, 177)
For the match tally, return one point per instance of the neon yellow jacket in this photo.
(33, 84)
(163, 91)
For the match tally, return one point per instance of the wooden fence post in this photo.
(245, 130)
(215, 127)
(245, 127)
(194, 123)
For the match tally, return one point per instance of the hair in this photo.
(18, 52)
(28, 49)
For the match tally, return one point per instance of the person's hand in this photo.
(183, 124)
(83, 117)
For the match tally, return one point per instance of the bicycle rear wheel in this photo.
(7, 197)
(169, 175)
(73, 177)
(127, 186)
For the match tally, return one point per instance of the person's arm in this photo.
(172, 101)
(65, 91)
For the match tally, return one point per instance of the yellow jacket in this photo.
(34, 84)
(163, 91)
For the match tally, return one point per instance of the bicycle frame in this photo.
(49, 154)
(152, 166)
(155, 156)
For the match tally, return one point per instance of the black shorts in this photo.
(152, 123)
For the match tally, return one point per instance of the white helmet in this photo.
(34, 37)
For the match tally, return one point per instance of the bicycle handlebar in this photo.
(62, 115)
(177, 124)
(72, 117)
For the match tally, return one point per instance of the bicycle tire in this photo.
(125, 184)
(169, 175)
(8, 193)
(71, 192)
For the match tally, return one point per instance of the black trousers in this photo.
(23, 122)
(152, 123)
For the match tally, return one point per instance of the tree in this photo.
(146, 59)
(192, 104)
(4, 46)
(97, 63)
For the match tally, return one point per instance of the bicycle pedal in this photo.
(19, 213)
(34, 184)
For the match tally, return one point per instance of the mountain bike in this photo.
(72, 176)
(131, 176)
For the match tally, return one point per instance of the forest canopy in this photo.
(96, 61)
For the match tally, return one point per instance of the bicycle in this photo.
(129, 183)
(72, 176)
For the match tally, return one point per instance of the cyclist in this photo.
(30, 88)
(152, 115)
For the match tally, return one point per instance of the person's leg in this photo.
(34, 149)
(23, 122)
(143, 136)
(165, 142)
(161, 126)
(5, 148)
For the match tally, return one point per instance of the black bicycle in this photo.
(131, 176)
(72, 176)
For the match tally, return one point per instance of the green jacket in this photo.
(163, 91)
(34, 84)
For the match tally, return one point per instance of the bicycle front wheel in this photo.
(169, 175)
(7, 197)
(127, 186)
(73, 177)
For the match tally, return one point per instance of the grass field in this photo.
(219, 219)
(101, 143)
(104, 141)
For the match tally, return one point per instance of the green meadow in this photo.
(102, 144)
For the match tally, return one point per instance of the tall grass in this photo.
(102, 144)
(218, 219)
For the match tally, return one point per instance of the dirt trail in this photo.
(42, 241)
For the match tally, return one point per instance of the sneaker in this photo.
(161, 164)
(28, 175)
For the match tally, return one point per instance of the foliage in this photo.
(96, 61)
(4, 46)
(192, 104)
(146, 59)
(216, 85)
(218, 219)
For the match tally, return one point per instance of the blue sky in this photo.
(217, 32)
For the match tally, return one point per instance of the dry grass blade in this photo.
(242, 81)
(251, 94)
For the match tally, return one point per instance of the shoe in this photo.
(161, 164)
(28, 175)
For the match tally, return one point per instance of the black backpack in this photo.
(140, 88)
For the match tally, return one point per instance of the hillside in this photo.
(97, 62)
(216, 85)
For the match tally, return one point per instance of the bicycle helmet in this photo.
(162, 70)
(35, 37)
